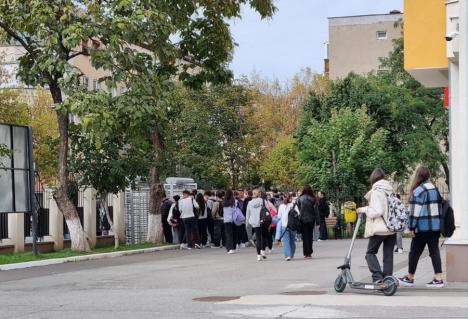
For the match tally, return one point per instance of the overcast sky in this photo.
(294, 38)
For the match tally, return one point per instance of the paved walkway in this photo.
(174, 284)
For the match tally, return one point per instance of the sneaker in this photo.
(400, 251)
(243, 246)
(189, 248)
(435, 284)
(262, 253)
(231, 252)
(287, 258)
(252, 242)
(259, 258)
(406, 282)
(197, 246)
(183, 246)
(319, 239)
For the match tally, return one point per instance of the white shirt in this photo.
(283, 213)
(186, 206)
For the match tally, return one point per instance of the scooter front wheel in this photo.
(392, 285)
(340, 284)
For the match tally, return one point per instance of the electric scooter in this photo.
(388, 285)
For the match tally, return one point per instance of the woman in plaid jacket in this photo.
(425, 208)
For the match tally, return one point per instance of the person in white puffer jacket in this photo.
(376, 228)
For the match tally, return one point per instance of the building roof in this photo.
(393, 16)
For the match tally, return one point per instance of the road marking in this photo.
(351, 300)
(286, 312)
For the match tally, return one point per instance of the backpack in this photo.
(294, 222)
(220, 210)
(265, 216)
(398, 215)
(237, 217)
(447, 218)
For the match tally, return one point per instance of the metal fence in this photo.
(42, 204)
(136, 214)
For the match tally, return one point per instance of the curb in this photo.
(56, 261)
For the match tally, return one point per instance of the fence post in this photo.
(55, 224)
(16, 231)
(118, 204)
(89, 215)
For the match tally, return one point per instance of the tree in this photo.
(338, 155)
(106, 152)
(281, 165)
(132, 41)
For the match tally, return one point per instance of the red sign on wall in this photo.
(446, 97)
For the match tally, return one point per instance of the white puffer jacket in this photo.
(378, 208)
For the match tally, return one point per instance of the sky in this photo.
(294, 38)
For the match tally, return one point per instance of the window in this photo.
(96, 85)
(381, 35)
(85, 83)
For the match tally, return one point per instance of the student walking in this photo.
(187, 207)
(218, 223)
(202, 219)
(288, 235)
(253, 219)
(229, 206)
(308, 216)
(324, 211)
(376, 227)
(425, 208)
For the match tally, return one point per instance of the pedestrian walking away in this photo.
(187, 207)
(253, 219)
(306, 204)
(288, 235)
(376, 230)
(229, 206)
(425, 208)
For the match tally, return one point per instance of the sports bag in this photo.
(398, 215)
(265, 216)
(447, 218)
(294, 222)
(237, 217)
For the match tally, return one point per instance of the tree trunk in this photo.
(78, 237)
(105, 206)
(155, 228)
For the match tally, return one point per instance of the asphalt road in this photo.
(209, 283)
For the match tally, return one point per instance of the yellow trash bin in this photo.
(350, 212)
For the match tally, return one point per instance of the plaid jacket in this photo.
(425, 207)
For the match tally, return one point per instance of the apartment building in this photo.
(356, 43)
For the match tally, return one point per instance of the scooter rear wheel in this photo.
(340, 284)
(392, 286)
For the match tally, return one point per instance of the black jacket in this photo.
(323, 208)
(306, 205)
(164, 210)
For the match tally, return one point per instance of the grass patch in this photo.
(28, 256)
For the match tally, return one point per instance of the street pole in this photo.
(32, 190)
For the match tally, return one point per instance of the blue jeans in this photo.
(289, 242)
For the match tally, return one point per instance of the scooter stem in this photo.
(356, 229)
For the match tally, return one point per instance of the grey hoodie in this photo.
(253, 212)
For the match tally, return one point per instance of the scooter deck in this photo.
(370, 286)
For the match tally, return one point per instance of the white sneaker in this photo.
(231, 252)
(262, 253)
(400, 251)
(197, 246)
(183, 246)
(243, 246)
(259, 258)
(287, 258)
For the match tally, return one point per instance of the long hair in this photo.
(307, 190)
(201, 202)
(229, 200)
(422, 175)
(377, 175)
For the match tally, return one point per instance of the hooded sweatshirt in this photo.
(378, 208)
(253, 212)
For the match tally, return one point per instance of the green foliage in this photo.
(339, 154)
(212, 135)
(281, 165)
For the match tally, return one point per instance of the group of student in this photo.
(236, 219)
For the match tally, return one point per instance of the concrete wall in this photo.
(353, 43)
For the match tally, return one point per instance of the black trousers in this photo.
(167, 229)
(371, 256)
(323, 229)
(269, 234)
(260, 238)
(218, 226)
(307, 231)
(241, 234)
(419, 242)
(190, 225)
(229, 230)
(210, 227)
(202, 230)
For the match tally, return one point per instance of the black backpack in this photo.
(265, 217)
(294, 222)
(447, 220)
(176, 212)
(220, 210)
